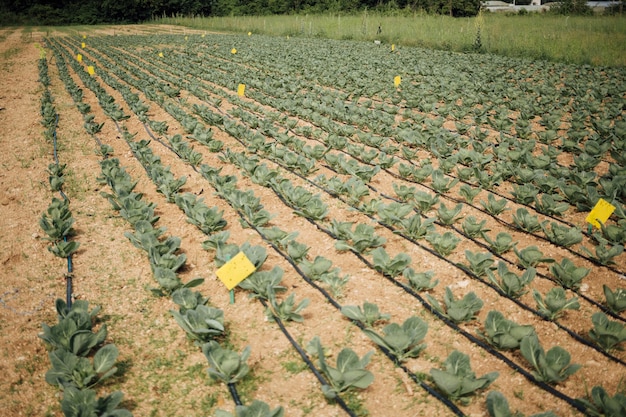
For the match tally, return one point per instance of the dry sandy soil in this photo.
(160, 372)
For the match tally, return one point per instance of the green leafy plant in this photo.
(502, 333)
(615, 300)
(361, 240)
(80, 403)
(208, 220)
(71, 370)
(403, 341)
(202, 323)
(551, 367)
(440, 183)
(417, 227)
(188, 299)
(473, 228)
(457, 380)
(444, 244)
(449, 216)
(425, 201)
(562, 235)
(531, 256)
(493, 206)
(285, 310)
(368, 315)
(501, 244)
(73, 332)
(510, 283)
(392, 267)
(607, 334)
(226, 365)
(555, 303)
(350, 371)
(394, 212)
(498, 406)
(461, 310)
(568, 275)
(600, 404)
(605, 254)
(525, 193)
(469, 193)
(55, 176)
(255, 409)
(261, 283)
(57, 221)
(478, 263)
(523, 220)
(420, 281)
(551, 205)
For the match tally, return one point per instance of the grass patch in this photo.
(595, 40)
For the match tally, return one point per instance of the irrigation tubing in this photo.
(70, 266)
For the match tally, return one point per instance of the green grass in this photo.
(595, 40)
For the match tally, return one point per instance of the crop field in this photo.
(416, 220)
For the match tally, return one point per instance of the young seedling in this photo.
(403, 341)
(368, 315)
(350, 372)
(461, 310)
(607, 334)
(551, 367)
(457, 380)
(615, 300)
(504, 334)
(555, 303)
(420, 281)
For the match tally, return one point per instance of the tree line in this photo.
(63, 12)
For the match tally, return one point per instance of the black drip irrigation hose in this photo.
(308, 362)
(70, 266)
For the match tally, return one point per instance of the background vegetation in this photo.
(593, 40)
(62, 12)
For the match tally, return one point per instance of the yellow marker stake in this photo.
(90, 70)
(397, 80)
(82, 45)
(233, 51)
(79, 57)
(241, 90)
(186, 38)
(393, 47)
(600, 213)
(235, 270)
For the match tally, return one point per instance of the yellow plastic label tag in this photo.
(82, 45)
(397, 80)
(160, 54)
(79, 57)
(203, 35)
(241, 90)
(235, 270)
(186, 38)
(84, 36)
(90, 70)
(393, 47)
(233, 51)
(249, 33)
(600, 213)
